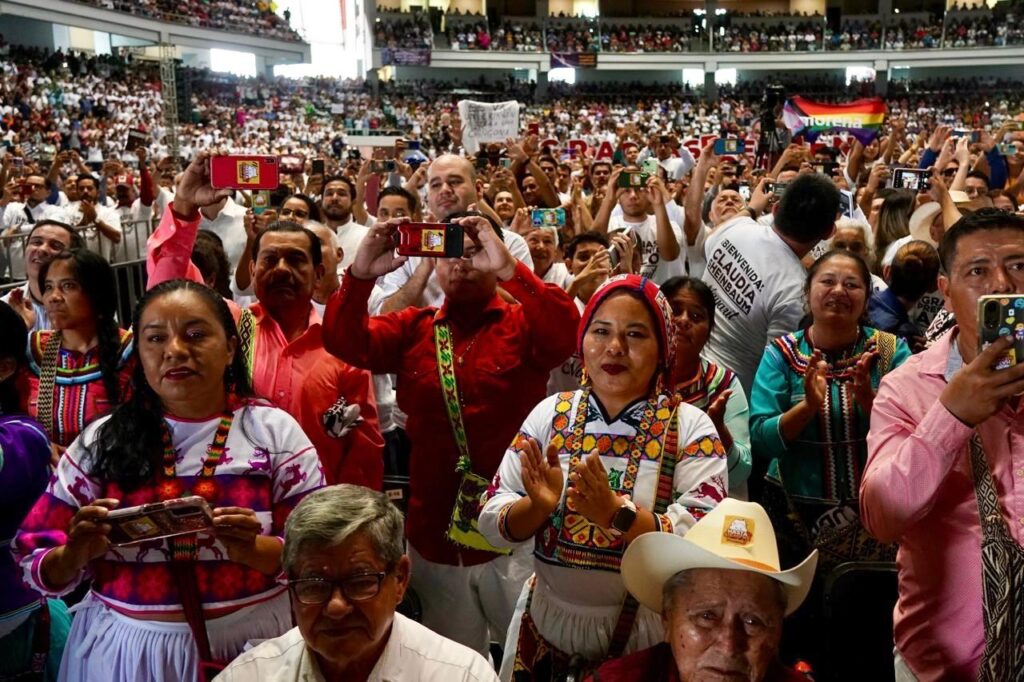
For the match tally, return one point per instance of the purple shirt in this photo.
(918, 489)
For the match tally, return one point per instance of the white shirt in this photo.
(94, 239)
(349, 236)
(566, 377)
(558, 274)
(433, 296)
(413, 654)
(42, 319)
(229, 225)
(651, 264)
(758, 285)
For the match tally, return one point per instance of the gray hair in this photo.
(684, 580)
(330, 516)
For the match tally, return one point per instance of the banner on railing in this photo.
(487, 122)
(863, 119)
(402, 56)
(574, 60)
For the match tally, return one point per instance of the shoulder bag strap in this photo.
(28, 214)
(450, 392)
(47, 380)
(247, 339)
(885, 343)
(663, 498)
(188, 591)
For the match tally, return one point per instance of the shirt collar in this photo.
(260, 313)
(954, 361)
(494, 307)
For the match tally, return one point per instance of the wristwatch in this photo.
(625, 516)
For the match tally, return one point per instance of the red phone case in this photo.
(430, 240)
(244, 172)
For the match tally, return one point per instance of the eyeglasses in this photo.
(359, 587)
(294, 212)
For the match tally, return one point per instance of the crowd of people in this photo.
(254, 17)
(639, 398)
(411, 31)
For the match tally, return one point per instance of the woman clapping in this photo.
(189, 428)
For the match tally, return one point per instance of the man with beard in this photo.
(282, 338)
(45, 240)
(336, 208)
(451, 188)
(102, 225)
(501, 356)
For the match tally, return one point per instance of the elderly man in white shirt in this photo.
(347, 572)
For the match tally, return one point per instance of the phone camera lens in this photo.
(992, 314)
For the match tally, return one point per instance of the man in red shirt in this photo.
(502, 355)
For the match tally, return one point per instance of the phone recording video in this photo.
(430, 240)
(1000, 316)
(913, 179)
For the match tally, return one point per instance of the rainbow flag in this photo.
(862, 119)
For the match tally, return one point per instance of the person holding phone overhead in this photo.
(493, 360)
(944, 453)
(160, 609)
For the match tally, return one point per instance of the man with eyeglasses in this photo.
(45, 240)
(344, 556)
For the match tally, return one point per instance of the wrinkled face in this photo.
(87, 191)
(838, 293)
(543, 249)
(460, 281)
(986, 262)
(976, 187)
(693, 326)
(45, 243)
(337, 201)
(504, 205)
(620, 348)
(393, 206)
(724, 625)
(283, 272)
(66, 301)
(450, 187)
(295, 210)
(340, 631)
(851, 239)
(727, 204)
(184, 349)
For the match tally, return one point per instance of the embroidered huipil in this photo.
(268, 466)
(702, 390)
(826, 462)
(310, 384)
(79, 394)
(918, 490)
(568, 542)
(507, 352)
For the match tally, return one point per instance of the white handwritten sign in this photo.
(486, 122)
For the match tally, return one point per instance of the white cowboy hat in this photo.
(735, 536)
(921, 222)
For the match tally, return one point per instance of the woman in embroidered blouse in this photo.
(812, 396)
(586, 475)
(705, 385)
(85, 355)
(188, 428)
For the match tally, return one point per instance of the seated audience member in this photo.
(32, 630)
(768, 302)
(344, 555)
(45, 240)
(942, 470)
(912, 273)
(705, 385)
(722, 596)
(159, 608)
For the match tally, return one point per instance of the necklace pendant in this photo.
(460, 362)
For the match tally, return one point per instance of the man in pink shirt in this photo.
(918, 486)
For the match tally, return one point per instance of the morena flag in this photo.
(863, 119)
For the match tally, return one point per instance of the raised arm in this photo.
(694, 201)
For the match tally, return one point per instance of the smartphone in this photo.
(650, 166)
(533, 129)
(633, 180)
(260, 201)
(975, 136)
(727, 146)
(614, 257)
(291, 163)
(505, 162)
(136, 138)
(244, 172)
(548, 217)
(382, 166)
(846, 202)
(776, 188)
(412, 144)
(826, 168)
(17, 162)
(744, 190)
(159, 520)
(1007, 149)
(915, 179)
(1000, 316)
(354, 154)
(317, 167)
(430, 240)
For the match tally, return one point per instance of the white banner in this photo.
(486, 122)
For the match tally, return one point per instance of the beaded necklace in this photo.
(170, 487)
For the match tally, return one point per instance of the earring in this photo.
(584, 378)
